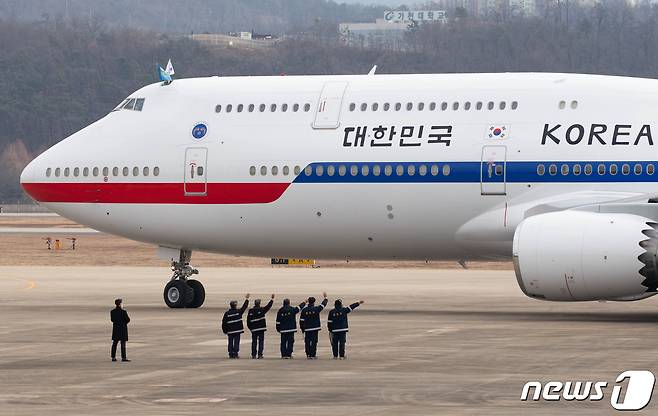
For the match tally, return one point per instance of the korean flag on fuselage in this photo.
(497, 132)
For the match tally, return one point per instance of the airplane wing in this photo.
(585, 200)
(497, 225)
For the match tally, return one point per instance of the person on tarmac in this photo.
(233, 327)
(120, 320)
(257, 325)
(309, 323)
(286, 325)
(338, 327)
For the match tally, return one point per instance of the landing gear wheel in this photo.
(178, 294)
(199, 293)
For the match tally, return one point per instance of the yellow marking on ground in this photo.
(30, 285)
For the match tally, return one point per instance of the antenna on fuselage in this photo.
(166, 75)
(373, 70)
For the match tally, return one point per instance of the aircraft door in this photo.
(493, 170)
(195, 171)
(327, 114)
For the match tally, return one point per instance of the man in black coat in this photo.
(120, 320)
(286, 325)
(338, 326)
(309, 322)
(233, 327)
(257, 325)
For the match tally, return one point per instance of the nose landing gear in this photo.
(181, 291)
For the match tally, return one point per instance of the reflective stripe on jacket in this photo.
(337, 320)
(232, 320)
(256, 317)
(286, 320)
(309, 318)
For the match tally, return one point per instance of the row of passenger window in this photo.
(432, 106)
(409, 106)
(421, 106)
(272, 108)
(95, 172)
(588, 169)
(354, 170)
(377, 170)
(563, 104)
(274, 170)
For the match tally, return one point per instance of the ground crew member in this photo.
(338, 327)
(232, 326)
(309, 322)
(257, 325)
(120, 320)
(286, 325)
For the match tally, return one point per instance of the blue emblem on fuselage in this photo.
(199, 131)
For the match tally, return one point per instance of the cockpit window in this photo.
(130, 104)
(120, 106)
(136, 104)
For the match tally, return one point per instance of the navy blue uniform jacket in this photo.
(337, 320)
(286, 320)
(232, 320)
(309, 319)
(256, 317)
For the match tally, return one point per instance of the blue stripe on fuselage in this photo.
(470, 172)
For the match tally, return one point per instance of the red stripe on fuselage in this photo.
(155, 193)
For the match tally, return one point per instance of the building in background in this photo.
(241, 35)
(389, 32)
(483, 8)
(419, 16)
(525, 7)
(381, 34)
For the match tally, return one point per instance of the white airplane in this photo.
(553, 170)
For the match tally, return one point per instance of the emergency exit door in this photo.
(195, 171)
(327, 115)
(493, 170)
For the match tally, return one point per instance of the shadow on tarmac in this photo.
(466, 314)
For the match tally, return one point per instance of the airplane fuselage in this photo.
(358, 167)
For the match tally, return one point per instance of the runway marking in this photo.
(193, 400)
(441, 330)
(152, 374)
(19, 398)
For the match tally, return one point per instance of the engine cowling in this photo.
(584, 256)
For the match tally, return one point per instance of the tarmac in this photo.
(426, 342)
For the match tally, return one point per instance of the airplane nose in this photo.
(28, 177)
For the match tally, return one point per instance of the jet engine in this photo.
(584, 256)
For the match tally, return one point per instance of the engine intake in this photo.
(584, 256)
